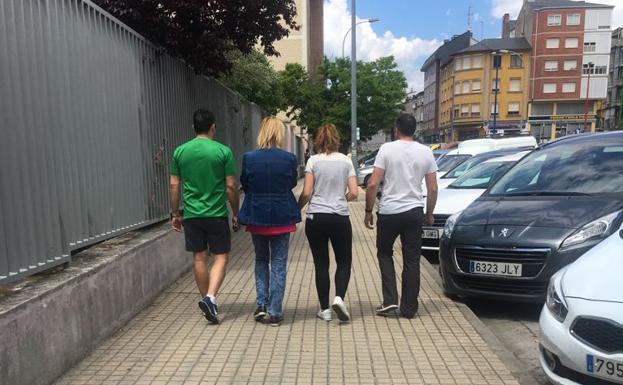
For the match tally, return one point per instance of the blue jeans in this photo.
(270, 281)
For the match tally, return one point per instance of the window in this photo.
(549, 88)
(571, 65)
(589, 47)
(573, 19)
(456, 111)
(476, 86)
(568, 88)
(552, 43)
(571, 42)
(513, 108)
(495, 84)
(464, 110)
(494, 108)
(514, 85)
(477, 61)
(457, 88)
(553, 20)
(475, 109)
(458, 63)
(597, 70)
(516, 61)
(466, 87)
(467, 63)
(551, 66)
(542, 109)
(496, 61)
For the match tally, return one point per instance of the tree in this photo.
(202, 32)
(255, 79)
(380, 96)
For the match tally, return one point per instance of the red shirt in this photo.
(270, 230)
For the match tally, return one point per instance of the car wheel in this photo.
(447, 294)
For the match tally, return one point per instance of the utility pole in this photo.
(353, 85)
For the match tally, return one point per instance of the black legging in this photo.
(320, 229)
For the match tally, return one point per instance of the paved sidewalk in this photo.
(171, 343)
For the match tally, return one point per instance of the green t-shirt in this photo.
(202, 164)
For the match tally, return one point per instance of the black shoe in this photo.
(410, 314)
(407, 316)
(260, 313)
(275, 320)
(385, 311)
(209, 309)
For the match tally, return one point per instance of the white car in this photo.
(582, 321)
(461, 193)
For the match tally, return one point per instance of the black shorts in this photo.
(204, 233)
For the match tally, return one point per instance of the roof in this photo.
(510, 43)
(509, 158)
(443, 53)
(545, 4)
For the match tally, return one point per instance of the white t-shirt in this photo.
(405, 164)
(331, 173)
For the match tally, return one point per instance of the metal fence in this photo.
(90, 113)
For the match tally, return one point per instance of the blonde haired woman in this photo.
(330, 182)
(270, 213)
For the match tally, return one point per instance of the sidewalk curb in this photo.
(512, 362)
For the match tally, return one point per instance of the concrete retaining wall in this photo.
(47, 327)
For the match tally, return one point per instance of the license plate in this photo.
(495, 268)
(604, 368)
(430, 234)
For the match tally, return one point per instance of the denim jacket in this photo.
(267, 178)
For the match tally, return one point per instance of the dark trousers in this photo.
(408, 226)
(320, 230)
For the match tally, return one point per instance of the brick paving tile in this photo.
(171, 343)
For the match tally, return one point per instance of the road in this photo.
(516, 325)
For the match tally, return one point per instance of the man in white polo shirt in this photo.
(402, 165)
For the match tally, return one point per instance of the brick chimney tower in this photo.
(506, 32)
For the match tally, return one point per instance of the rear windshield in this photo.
(449, 162)
(481, 175)
(463, 167)
(593, 166)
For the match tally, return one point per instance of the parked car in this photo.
(464, 167)
(582, 321)
(438, 154)
(461, 193)
(546, 211)
(473, 147)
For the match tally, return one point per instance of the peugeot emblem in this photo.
(504, 233)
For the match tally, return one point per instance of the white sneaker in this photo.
(339, 307)
(325, 315)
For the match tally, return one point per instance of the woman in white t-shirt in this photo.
(330, 182)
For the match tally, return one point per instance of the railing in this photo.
(90, 113)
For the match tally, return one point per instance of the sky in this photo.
(412, 29)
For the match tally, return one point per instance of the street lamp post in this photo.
(353, 79)
(353, 85)
(370, 20)
(591, 65)
(497, 62)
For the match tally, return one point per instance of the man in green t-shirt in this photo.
(206, 170)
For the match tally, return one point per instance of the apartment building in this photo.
(431, 68)
(469, 87)
(305, 46)
(569, 63)
(613, 110)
